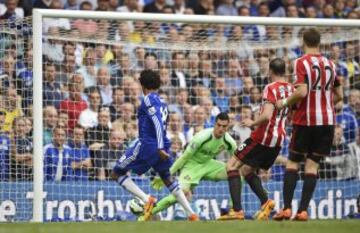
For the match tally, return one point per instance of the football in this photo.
(136, 206)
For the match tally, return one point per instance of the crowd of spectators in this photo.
(273, 8)
(91, 93)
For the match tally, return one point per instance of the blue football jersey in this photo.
(348, 122)
(153, 118)
(51, 162)
(5, 147)
(80, 153)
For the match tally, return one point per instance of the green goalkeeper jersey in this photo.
(203, 147)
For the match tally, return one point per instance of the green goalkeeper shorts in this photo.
(193, 172)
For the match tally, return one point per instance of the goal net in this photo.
(90, 95)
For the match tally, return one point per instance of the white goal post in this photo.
(40, 14)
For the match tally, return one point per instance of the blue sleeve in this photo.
(355, 122)
(153, 110)
(47, 167)
(69, 172)
(85, 154)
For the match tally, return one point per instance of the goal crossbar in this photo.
(198, 18)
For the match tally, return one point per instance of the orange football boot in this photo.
(284, 214)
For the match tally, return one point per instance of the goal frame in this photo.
(39, 14)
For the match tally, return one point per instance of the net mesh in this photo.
(91, 95)
(15, 118)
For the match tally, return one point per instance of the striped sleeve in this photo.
(153, 111)
(300, 72)
(268, 95)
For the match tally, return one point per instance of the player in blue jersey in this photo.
(151, 149)
(5, 148)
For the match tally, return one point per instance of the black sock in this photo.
(235, 188)
(255, 184)
(307, 191)
(290, 179)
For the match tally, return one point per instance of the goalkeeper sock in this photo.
(164, 203)
(255, 184)
(129, 185)
(307, 191)
(290, 179)
(180, 197)
(235, 188)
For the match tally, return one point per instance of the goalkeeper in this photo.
(198, 163)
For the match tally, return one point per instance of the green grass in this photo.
(326, 226)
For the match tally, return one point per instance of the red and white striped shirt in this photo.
(272, 133)
(319, 73)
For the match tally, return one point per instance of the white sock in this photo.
(130, 186)
(180, 197)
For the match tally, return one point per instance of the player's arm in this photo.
(300, 92)
(301, 87)
(180, 162)
(265, 116)
(159, 128)
(190, 150)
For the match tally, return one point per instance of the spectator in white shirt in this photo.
(10, 8)
(71, 5)
(227, 8)
(179, 6)
(103, 82)
(60, 23)
(340, 161)
(89, 117)
(354, 148)
(178, 78)
(243, 132)
(129, 6)
(175, 127)
(53, 49)
(88, 69)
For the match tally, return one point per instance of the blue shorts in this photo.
(140, 158)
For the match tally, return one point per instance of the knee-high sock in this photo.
(235, 188)
(180, 197)
(307, 191)
(290, 179)
(255, 184)
(129, 185)
(164, 203)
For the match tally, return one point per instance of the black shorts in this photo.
(256, 155)
(316, 140)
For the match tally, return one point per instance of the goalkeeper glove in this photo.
(157, 183)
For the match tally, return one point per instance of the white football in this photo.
(136, 206)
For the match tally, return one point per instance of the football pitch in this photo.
(316, 226)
